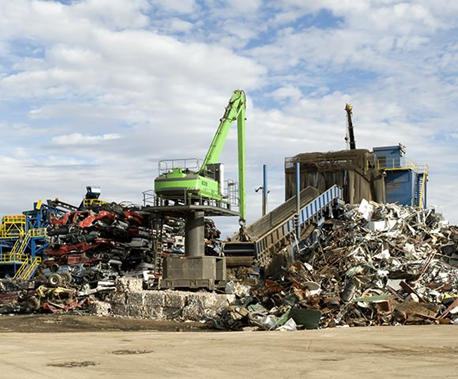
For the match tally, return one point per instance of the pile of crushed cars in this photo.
(373, 265)
(89, 249)
(110, 236)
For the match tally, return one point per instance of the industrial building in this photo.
(385, 175)
(406, 182)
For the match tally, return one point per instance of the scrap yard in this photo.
(228, 189)
(353, 245)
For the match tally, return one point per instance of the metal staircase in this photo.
(28, 268)
(20, 245)
(18, 250)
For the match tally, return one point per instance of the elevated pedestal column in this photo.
(194, 234)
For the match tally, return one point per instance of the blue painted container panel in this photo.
(388, 152)
(399, 187)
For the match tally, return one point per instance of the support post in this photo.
(298, 200)
(265, 191)
(297, 217)
(194, 234)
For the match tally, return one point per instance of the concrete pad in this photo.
(380, 352)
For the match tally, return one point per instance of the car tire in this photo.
(33, 304)
(66, 277)
(54, 280)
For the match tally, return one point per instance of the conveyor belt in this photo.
(275, 230)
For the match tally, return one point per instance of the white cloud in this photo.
(80, 139)
(116, 14)
(178, 25)
(134, 62)
(288, 92)
(180, 6)
(98, 91)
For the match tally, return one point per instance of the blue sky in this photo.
(97, 91)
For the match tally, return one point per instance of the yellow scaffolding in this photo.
(19, 233)
(13, 227)
(16, 255)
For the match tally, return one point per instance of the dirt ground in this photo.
(66, 323)
(109, 348)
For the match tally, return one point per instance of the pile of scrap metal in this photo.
(13, 296)
(89, 249)
(170, 232)
(212, 238)
(374, 265)
(29, 296)
(111, 236)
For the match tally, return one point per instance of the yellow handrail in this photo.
(38, 232)
(13, 218)
(35, 263)
(26, 269)
(16, 258)
(16, 246)
(423, 187)
(21, 244)
(396, 164)
(12, 226)
(21, 269)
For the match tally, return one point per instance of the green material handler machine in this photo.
(189, 190)
(187, 182)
